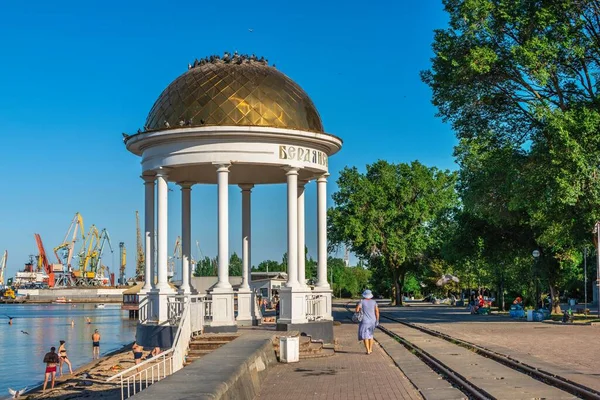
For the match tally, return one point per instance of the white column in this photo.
(244, 295)
(186, 235)
(246, 235)
(223, 236)
(162, 226)
(292, 220)
(148, 232)
(322, 231)
(301, 236)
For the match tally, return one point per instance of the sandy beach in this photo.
(94, 387)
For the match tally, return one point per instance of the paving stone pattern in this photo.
(566, 350)
(350, 374)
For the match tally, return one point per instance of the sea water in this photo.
(22, 354)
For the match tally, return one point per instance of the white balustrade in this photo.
(315, 307)
(190, 314)
(144, 309)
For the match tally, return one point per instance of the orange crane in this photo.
(43, 264)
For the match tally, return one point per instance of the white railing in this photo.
(314, 307)
(175, 307)
(145, 309)
(190, 320)
(197, 313)
(208, 311)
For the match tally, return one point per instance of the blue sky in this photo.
(74, 75)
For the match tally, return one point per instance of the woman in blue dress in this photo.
(369, 321)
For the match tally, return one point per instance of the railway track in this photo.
(467, 386)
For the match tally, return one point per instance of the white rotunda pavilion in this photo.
(233, 120)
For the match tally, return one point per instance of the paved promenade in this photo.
(567, 350)
(349, 374)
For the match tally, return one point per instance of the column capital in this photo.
(302, 183)
(246, 187)
(222, 167)
(289, 170)
(185, 185)
(323, 178)
(162, 172)
(148, 178)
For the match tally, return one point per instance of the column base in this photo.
(318, 330)
(244, 307)
(222, 308)
(292, 308)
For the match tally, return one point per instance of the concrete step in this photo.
(198, 353)
(216, 337)
(319, 354)
(207, 345)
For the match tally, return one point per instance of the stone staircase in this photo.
(205, 344)
(308, 347)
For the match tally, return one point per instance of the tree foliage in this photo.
(387, 213)
(518, 82)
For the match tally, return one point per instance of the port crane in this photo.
(96, 262)
(43, 266)
(67, 249)
(84, 275)
(122, 262)
(176, 256)
(140, 262)
(3, 268)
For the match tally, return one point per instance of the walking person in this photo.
(370, 319)
(96, 345)
(51, 359)
(62, 353)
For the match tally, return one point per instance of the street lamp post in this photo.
(585, 280)
(597, 232)
(536, 255)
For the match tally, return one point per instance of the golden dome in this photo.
(243, 93)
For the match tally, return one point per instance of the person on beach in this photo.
(72, 322)
(51, 359)
(62, 353)
(370, 319)
(137, 353)
(155, 352)
(95, 345)
(88, 320)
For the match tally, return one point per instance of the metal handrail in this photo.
(173, 357)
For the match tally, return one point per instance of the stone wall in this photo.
(78, 295)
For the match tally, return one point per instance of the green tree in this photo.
(517, 81)
(268, 266)
(388, 212)
(206, 267)
(235, 265)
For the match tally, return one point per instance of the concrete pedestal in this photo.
(292, 305)
(244, 307)
(223, 319)
(159, 306)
